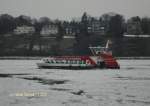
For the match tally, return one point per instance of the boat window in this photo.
(62, 61)
(80, 62)
(83, 62)
(52, 61)
(71, 62)
(67, 61)
(56, 61)
(49, 61)
(46, 60)
(75, 61)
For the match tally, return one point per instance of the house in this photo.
(96, 26)
(71, 30)
(134, 27)
(48, 30)
(24, 30)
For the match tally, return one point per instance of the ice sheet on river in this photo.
(23, 84)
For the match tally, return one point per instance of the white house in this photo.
(49, 30)
(24, 30)
(96, 27)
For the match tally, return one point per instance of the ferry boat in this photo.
(101, 58)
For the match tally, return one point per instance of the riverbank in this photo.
(40, 57)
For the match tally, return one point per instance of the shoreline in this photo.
(40, 57)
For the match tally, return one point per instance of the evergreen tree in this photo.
(116, 26)
(7, 23)
(84, 24)
(145, 25)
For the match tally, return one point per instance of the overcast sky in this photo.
(67, 9)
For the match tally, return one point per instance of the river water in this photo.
(23, 84)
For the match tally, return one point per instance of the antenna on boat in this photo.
(107, 44)
(107, 48)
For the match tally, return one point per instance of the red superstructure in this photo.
(110, 62)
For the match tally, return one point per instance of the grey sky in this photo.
(67, 9)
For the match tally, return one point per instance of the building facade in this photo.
(71, 30)
(24, 30)
(134, 27)
(48, 30)
(96, 27)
